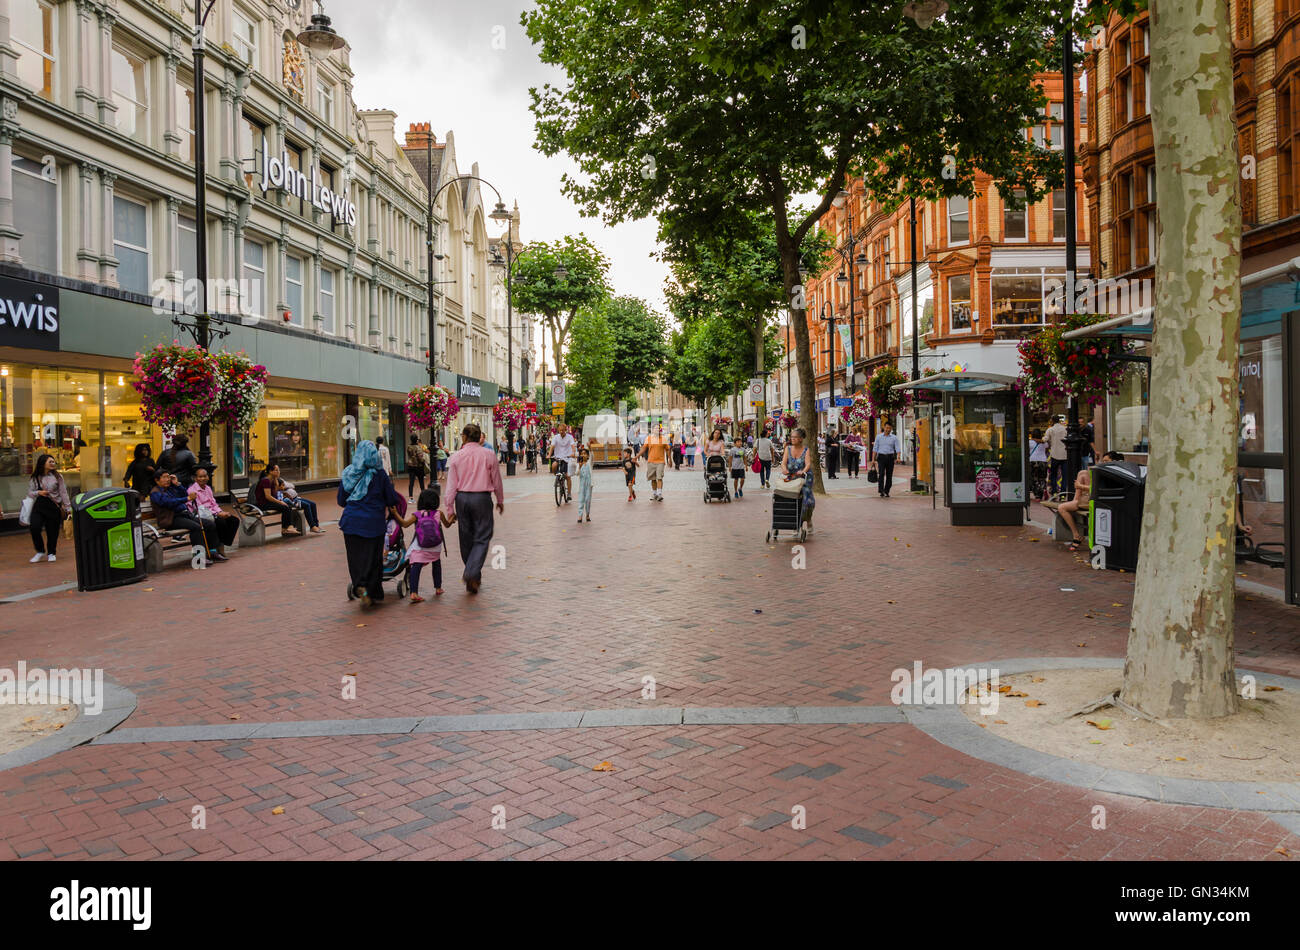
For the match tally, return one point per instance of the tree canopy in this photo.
(535, 287)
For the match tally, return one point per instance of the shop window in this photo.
(244, 36)
(1018, 296)
(131, 93)
(327, 300)
(185, 119)
(293, 267)
(254, 275)
(959, 302)
(1015, 223)
(301, 433)
(36, 213)
(131, 244)
(32, 32)
(958, 220)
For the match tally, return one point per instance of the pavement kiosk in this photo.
(983, 433)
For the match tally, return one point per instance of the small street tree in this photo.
(591, 360)
(640, 345)
(536, 288)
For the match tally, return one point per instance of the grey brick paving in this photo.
(865, 835)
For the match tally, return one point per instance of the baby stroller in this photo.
(787, 510)
(395, 561)
(715, 479)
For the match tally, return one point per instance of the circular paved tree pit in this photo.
(20, 726)
(1261, 743)
(1027, 741)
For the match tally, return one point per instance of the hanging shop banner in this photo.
(29, 314)
(846, 339)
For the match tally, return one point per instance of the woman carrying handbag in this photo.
(50, 506)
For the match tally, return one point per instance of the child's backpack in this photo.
(428, 532)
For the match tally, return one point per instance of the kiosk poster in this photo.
(988, 483)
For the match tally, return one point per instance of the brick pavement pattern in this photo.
(574, 618)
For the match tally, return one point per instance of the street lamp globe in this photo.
(320, 37)
(925, 12)
(499, 213)
(560, 272)
(842, 279)
(841, 196)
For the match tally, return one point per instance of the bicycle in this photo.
(562, 494)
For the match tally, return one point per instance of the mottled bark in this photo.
(803, 355)
(1180, 647)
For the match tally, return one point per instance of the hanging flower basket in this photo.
(179, 386)
(859, 411)
(885, 400)
(789, 420)
(430, 407)
(243, 390)
(1053, 368)
(509, 413)
(723, 421)
(747, 428)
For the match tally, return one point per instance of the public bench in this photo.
(253, 521)
(158, 542)
(1061, 530)
(1268, 553)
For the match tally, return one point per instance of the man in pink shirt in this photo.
(473, 477)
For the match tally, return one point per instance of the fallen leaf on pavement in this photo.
(229, 610)
(982, 725)
(1038, 679)
(29, 719)
(1100, 723)
(1004, 689)
(349, 674)
(361, 625)
(234, 716)
(1094, 742)
(1016, 695)
(603, 767)
(1034, 702)
(147, 588)
(1117, 605)
(1000, 722)
(891, 601)
(1179, 758)
(277, 810)
(1271, 689)
(1081, 644)
(1281, 850)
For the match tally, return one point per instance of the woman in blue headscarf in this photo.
(365, 495)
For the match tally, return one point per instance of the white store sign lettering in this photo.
(277, 173)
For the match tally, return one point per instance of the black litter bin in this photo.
(1115, 513)
(108, 537)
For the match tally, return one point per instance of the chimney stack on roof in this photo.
(420, 135)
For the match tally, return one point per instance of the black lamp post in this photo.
(830, 404)
(852, 262)
(501, 214)
(321, 39)
(1073, 435)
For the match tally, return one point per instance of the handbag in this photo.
(757, 466)
(872, 475)
(25, 512)
(165, 517)
(205, 515)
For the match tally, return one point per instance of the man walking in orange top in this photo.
(473, 477)
(655, 451)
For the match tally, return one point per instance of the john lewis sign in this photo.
(29, 314)
(278, 173)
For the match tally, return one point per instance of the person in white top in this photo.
(563, 449)
(385, 459)
(763, 449)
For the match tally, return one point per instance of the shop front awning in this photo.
(1265, 297)
(964, 382)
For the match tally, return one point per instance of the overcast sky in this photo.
(435, 61)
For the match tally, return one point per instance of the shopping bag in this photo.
(25, 512)
(757, 466)
(67, 528)
(872, 476)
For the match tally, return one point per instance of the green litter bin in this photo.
(108, 537)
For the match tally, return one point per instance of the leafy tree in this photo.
(535, 288)
(689, 111)
(591, 359)
(640, 347)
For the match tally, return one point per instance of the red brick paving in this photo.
(575, 620)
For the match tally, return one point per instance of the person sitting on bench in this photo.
(1082, 488)
(171, 506)
(264, 498)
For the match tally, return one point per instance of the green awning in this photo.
(964, 382)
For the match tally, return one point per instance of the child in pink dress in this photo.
(426, 517)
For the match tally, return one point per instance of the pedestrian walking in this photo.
(678, 451)
(737, 469)
(765, 448)
(1037, 464)
(832, 452)
(884, 453)
(50, 505)
(584, 484)
(429, 540)
(655, 450)
(417, 463)
(853, 451)
(692, 446)
(472, 479)
(179, 460)
(442, 459)
(1056, 455)
(629, 473)
(385, 457)
(366, 494)
(794, 465)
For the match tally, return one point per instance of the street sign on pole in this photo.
(755, 392)
(557, 396)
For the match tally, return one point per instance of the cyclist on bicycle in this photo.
(563, 452)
